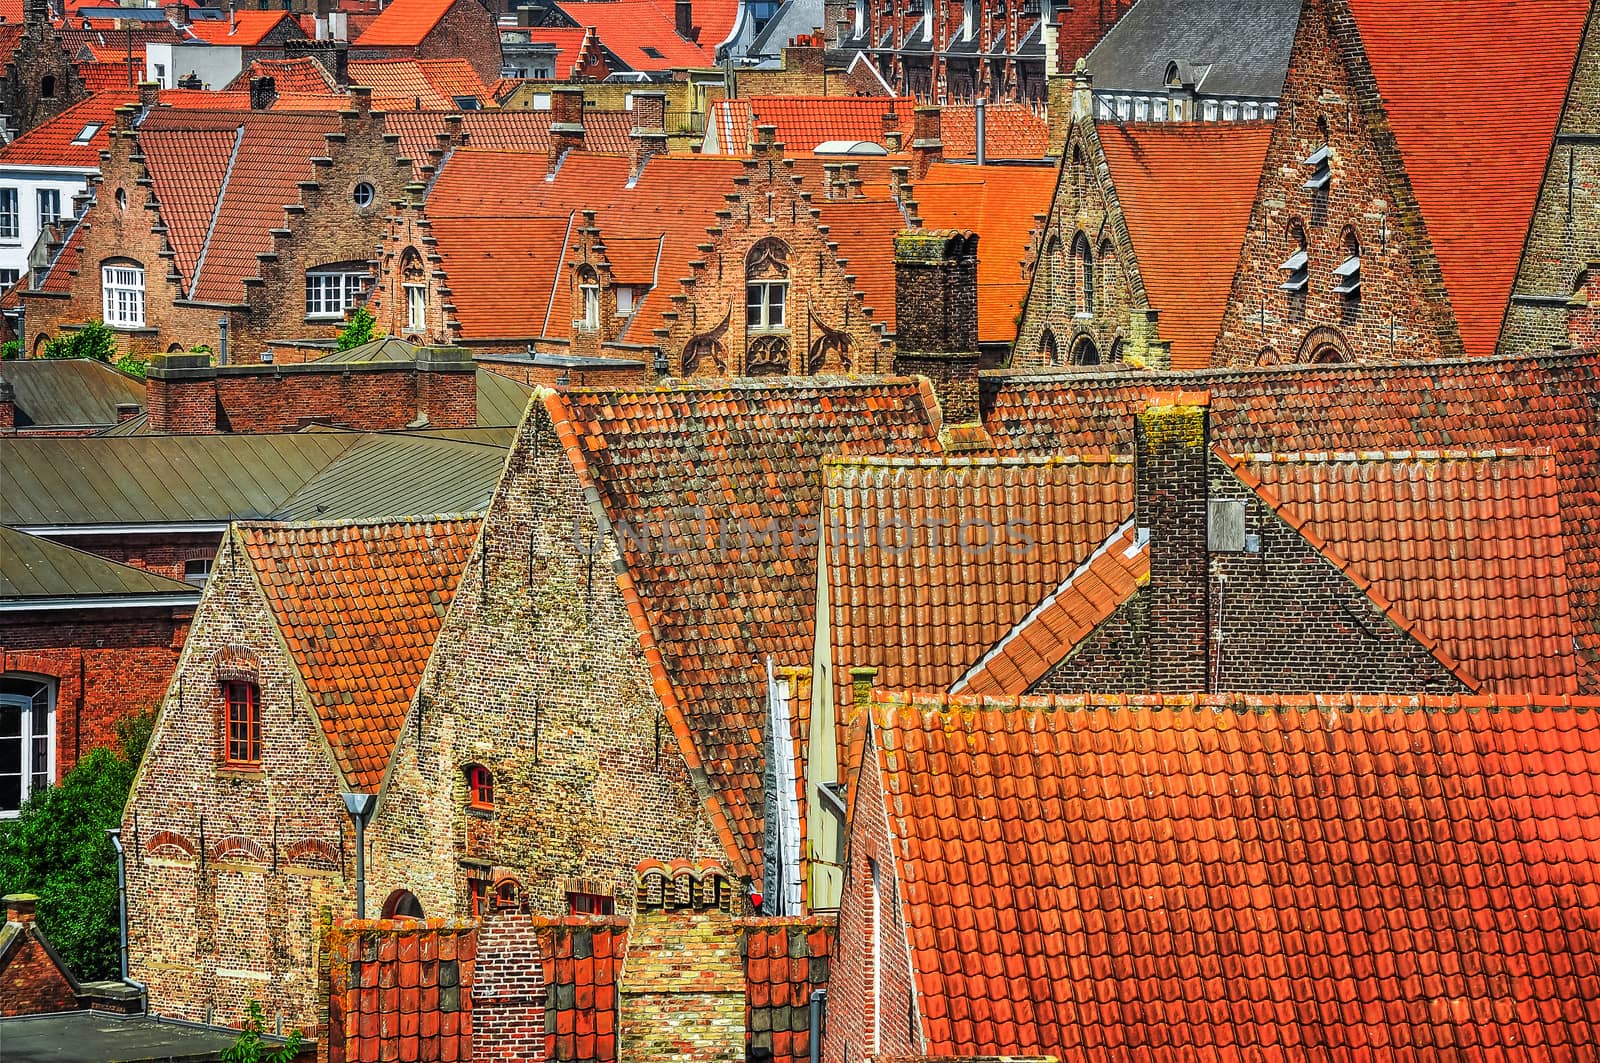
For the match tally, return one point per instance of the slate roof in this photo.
(627, 28)
(32, 568)
(359, 606)
(1534, 402)
(1238, 49)
(1280, 877)
(1475, 164)
(1186, 257)
(201, 479)
(403, 23)
(68, 393)
(739, 454)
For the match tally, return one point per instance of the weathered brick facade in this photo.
(40, 80)
(936, 316)
(1556, 299)
(321, 225)
(1330, 101)
(229, 869)
(33, 980)
(538, 676)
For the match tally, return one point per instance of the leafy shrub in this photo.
(94, 341)
(358, 330)
(250, 1048)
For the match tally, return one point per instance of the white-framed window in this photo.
(122, 290)
(416, 307)
(87, 133)
(197, 570)
(590, 322)
(9, 222)
(764, 304)
(8, 277)
(27, 739)
(329, 293)
(49, 206)
(1210, 111)
(625, 301)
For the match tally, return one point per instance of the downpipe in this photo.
(122, 916)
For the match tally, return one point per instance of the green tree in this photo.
(57, 848)
(93, 340)
(10, 349)
(251, 1048)
(358, 330)
(133, 366)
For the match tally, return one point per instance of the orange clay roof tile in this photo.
(244, 29)
(359, 606)
(301, 75)
(1186, 258)
(1228, 877)
(1011, 131)
(605, 132)
(417, 84)
(403, 24)
(634, 29)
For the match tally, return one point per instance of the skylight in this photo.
(87, 133)
(652, 52)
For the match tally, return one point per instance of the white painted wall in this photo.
(66, 181)
(217, 65)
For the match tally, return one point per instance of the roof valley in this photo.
(216, 211)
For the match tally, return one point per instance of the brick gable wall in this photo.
(1121, 325)
(1562, 254)
(467, 31)
(1403, 311)
(539, 676)
(683, 993)
(229, 870)
(32, 982)
(39, 55)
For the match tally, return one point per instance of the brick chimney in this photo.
(649, 134)
(936, 315)
(177, 14)
(447, 387)
(181, 393)
(8, 408)
(263, 93)
(19, 907)
(927, 143)
(566, 122)
(35, 13)
(683, 20)
(1171, 454)
(149, 94)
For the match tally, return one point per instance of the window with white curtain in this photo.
(122, 291)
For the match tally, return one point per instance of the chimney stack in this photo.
(19, 907)
(936, 315)
(149, 94)
(927, 144)
(649, 134)
(177, 14)
(1172, 508)
(566, 122)
(181, 394)
(263, 93)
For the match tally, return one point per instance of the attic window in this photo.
(591, 904)
(1297, 267)
(652, 52)
(242, 720)
(625, 301)
(468, 103)
(1347, 274)
(197, 570)
(87, 133)
(480, 787)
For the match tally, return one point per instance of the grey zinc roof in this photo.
(31, 567)
(68, 392)
(204, 479)
(1244, 43)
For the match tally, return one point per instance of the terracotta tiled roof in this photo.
(1277, 877)
(58, 277)
(785, 961)
(301, 75)
(223, 180)
(932, 561)
(403, 24)
(1533, 402)
(803, 122)
(1186, 258)
(742, 455)
(1475, 163)
(51, 143)
(864, 230)
(1462, 551)
(1011, 131)
(728, 121)
(715, 18)
(526, 131)
(243, 29)
(359, 606)
(417, 84)
(584, 960)
(10, 37)
(632, 29)
(998, 203)
(505, 272)
(109, 77)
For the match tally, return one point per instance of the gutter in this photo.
(130, 601)
(115, 835)
(53, 530)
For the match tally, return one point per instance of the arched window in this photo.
(414, 283)
(506, 895)
(1050, 264)
(766, 287)
(1047, 348)
(1347, 274)
(402, 904)
(1296, 269)
(1084, 352)
(1327, 354)
(480, 787)
(27, 738)
(1106, 269)
(1083, 267)
(588, 299)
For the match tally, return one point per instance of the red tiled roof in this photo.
(932, 561)
(50, 143)
(1011, 131)
(243, 29)
(584, 958)
(505, 131)
(741, 455)
(417, 84)
(223, 180)
(66, 263)
(864, 230)
(715, 19)
(1532, 402)
(728, 122)
(803, 122)
(998, 203)
(359, 606)
(1462, 551)
(627, 28)
(1281, 877)
(109, 77)
(404, 24)
(1475, 163)
(785, 961)
(505, 272)
(301, 75)
(1186, 257)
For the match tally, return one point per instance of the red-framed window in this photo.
(591, 904)
(242, 738)
(480, 786)
(477, 888)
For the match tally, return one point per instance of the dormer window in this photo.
(1347, 274)
(1297, 267)
(87, 133)
(625, 301)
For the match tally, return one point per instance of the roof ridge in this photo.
(955, 461)
(1440, 454)
(962, 709)
(355, 522)
(819, 382)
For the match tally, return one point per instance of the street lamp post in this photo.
(360, 807)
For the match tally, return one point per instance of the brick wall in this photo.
(185, 395)
(509, 994)
(164, 554)
(1564, 241)
(683, 994)
(1330, 97)
(39, 55)
(229, 870)
(554, 376)
(537, 675)
(871, 1007)
(399, 990)
(1170, 454)
(106, 669)
(32, 982)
